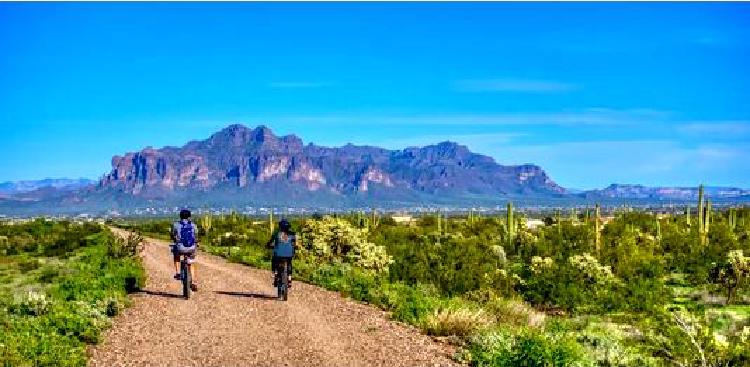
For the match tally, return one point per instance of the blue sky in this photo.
(652, 93)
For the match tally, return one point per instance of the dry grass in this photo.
(514, 312)
(459, 322)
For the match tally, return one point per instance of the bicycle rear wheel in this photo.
(185, 275)
(284, 281)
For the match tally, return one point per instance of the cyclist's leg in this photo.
(290, 270)
(274, 266)
(191, 257)
(176, 260)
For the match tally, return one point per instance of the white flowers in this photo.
(540, 264)
(336, 238)
(589, 266)
(33, 303)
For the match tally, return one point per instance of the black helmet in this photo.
(185, 214)
(284, 225)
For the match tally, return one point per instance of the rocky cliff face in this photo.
(239, 157)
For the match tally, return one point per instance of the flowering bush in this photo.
(541, 264)
(31, 303)
(336, 239)
(591, 269)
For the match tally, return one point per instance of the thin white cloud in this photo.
(653, 162)
(470, 140)
(512, 85)
(722, 128)
(592, 116)
(297, 85)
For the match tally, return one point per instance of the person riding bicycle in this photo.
(183, 235)
(283, 242)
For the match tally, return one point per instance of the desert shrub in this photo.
(684, 338)
(608, 345)
(458, 321)
(732, 274)
(418, 303)
(120, 248)
(31, 303)
(524, 347)
(71, 301)
(510, 311)
(335, 239)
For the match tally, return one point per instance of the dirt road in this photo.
(233, 320)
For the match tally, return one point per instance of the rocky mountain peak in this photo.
(248, 159)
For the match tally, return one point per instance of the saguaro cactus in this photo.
(704, 216)
(658, 230)
(270, 221)
(687, 216)
(510, 223)
(439, 224)
(206, 223)
(597, 230)
(732, 218)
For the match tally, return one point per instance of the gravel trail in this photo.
(234, 320)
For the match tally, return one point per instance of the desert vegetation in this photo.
(632, 289)
(60, 282)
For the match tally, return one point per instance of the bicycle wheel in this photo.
(284, 280)
(185, 274)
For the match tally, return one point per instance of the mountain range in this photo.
(240, 166)
(32, 188)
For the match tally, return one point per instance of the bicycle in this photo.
(185, 276)
(282, 285)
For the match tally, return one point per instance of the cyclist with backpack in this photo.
(283, 243)
(184, 237)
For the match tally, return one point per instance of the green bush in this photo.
(524, 347)
(71, 299)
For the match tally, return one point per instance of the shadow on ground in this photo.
(247, 294)
(157, 293)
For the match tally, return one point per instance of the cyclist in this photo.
(183, 235)
(283, 243)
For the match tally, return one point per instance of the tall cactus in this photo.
(687, 216)
(270, 221)
(658, 230)
(375, 218)
(439, 226)
(510, 223)
(206, 223)
(732, 218)
(704, 217)
(597, 229)
(587, 217)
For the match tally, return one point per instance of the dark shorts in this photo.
(189, 252)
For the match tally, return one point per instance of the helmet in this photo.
(284, 225)
(185, 214)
